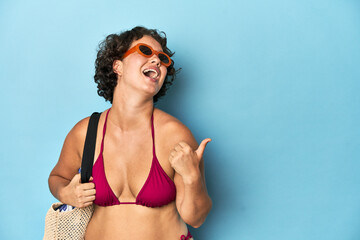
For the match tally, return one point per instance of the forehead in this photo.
(149, 41)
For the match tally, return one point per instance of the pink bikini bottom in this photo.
(188, 237)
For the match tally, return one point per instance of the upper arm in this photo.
(71, 153)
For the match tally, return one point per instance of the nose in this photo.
(155, 59)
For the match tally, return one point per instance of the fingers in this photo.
(183, 146)
(173, 153)
(81, 194)
(178, 147)
(87, 204)
(201, 148)
(203, 143)
(87, 186)
(86, 201)
(90, 192)
(86, 198)
(89, 199)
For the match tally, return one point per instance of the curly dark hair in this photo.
(114, 47)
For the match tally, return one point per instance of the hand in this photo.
(185, 160)
(80, 194)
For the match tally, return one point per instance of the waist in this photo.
(135, 222)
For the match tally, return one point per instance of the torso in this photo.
(127, 161)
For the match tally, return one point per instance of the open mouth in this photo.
(151, 73)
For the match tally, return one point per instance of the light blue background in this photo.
(275, 84)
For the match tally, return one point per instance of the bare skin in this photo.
(127, 159)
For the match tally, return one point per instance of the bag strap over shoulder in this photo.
(89, 148)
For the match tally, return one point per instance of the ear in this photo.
(118, 67)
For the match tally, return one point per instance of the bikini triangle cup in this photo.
(158, 189)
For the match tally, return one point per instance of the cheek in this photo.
(164, 71)
(132, 66)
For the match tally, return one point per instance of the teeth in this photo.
(151, 70)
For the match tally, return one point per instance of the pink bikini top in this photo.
(158, 189)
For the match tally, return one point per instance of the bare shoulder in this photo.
(78, 133)
(172, 130)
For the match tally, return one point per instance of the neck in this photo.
(131, 114)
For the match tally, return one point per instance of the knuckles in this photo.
(187, 149)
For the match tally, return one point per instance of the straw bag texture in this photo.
(64, 225)
(68, 224)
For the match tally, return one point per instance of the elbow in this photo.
(196, 220)
(195, 223)
(51, 185)
(49, 180)
(193, 219)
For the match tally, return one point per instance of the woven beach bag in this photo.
(68, 224)
(71, 224)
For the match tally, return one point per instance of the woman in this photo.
(148, 175)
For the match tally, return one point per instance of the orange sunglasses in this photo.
(147, 51)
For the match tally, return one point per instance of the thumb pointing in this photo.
(201, 148)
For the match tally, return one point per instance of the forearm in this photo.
(56, 186)
(196, 202)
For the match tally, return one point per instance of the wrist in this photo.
(63, 194)
(192, 178)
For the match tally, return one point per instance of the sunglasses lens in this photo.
(145, 50)
(163, 58)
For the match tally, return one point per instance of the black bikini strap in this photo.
(89, 148)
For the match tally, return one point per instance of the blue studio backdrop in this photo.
(275, 84)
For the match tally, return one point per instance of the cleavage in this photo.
(127, 170)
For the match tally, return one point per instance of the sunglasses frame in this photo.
(137, 49)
